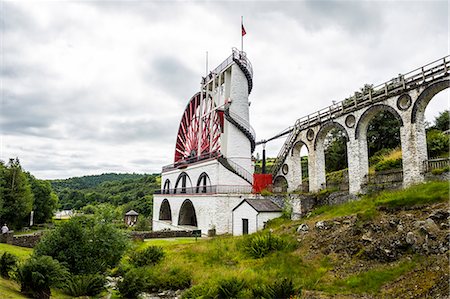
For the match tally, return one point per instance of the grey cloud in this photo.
(173, 77)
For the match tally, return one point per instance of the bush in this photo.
(148, 256)
(84, 245)
(38, 274)
(230, 288)
(440, 171)
(280, 289)
(388, 165)
(259, 245)
(204, 291)
(84, 285)
(437, 143)
(8, 262)
(168, 279)
(133, 283)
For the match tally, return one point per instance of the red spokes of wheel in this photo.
(199, 131)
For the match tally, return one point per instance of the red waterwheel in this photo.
(199, 131)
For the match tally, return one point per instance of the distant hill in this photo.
(90, 181)
(134, 190)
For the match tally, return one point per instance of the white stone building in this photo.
(251, 215)
(212, 170)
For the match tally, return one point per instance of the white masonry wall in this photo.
(244, 211)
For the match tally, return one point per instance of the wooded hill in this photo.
(134, 190)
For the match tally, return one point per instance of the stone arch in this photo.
(165, 213)
(325, 128)
(418, 110)
(187, 214)
(297, 147)
(281, 183)
(203, 183)
(370, 113)
(183, 183)
(166, 188)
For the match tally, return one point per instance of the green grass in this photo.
(21, 252)
(9, 289)
(372, 280)
(422, 194)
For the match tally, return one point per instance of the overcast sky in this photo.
(89, 87)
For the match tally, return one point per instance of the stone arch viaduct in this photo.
(406, 97)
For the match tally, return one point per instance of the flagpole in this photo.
(242, 36)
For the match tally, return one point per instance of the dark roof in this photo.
(261, 205)
(132, 213)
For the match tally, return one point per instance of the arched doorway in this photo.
(300, 156)
(187, 214)
(165, 213)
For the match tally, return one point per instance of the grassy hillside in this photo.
(360, 251)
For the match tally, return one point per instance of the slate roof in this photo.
(261, 205)
(132, 213)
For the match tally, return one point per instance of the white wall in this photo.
(244, 211)
(263, 217)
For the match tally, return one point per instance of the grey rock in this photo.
(302, 228)
(410, 238)
(320, 225)
(400, 228)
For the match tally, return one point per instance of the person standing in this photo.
(5, 229)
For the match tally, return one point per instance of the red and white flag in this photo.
(243, 30)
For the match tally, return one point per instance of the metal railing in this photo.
(235, 55)
(242, 122)
(430, 72)
(205, 190)
(241, 171)
(436, 163)
(186, 162)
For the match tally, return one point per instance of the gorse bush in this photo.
(38, 274)
(259, 245)
(389, 164)
(279, 289)
(133, 283)
(8, 262)
(84, 285)
(230, 288)
(148, 256)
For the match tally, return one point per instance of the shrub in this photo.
(84, 245)
(259, 245)
(204, 291)
(230, 287)
(84, 285)
(38, 274)
(439, 171)
(133, 283)
(280, 289)
(148, 256)
(437, 143)
(168, 279)
(388, 164)
(8, 262)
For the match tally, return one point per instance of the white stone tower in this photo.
(212, 169)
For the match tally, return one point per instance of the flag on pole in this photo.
(243, 30)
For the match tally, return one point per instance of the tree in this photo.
(437, 143)
(85, 245)
(335, 151)
(17, 195)
(441, 122)
(45, 201)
